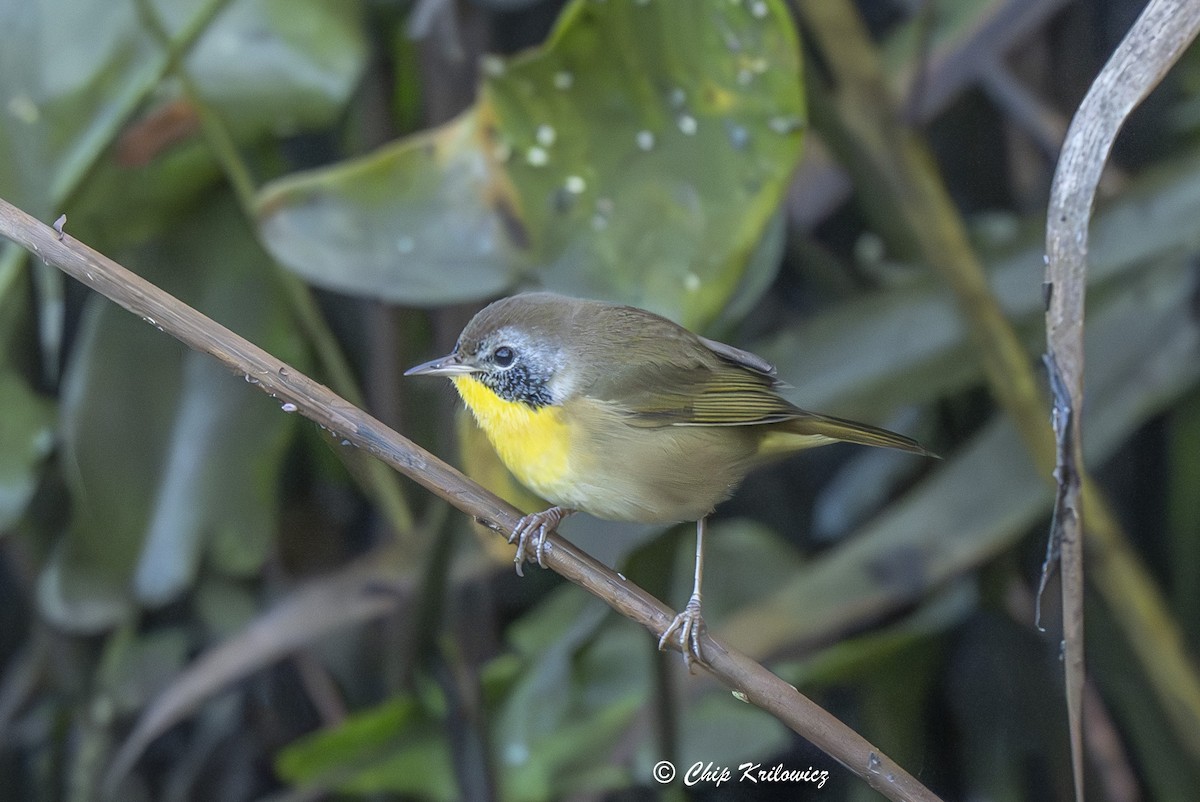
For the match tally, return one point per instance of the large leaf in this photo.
(638, 156)
(409, 223)
(169, 458)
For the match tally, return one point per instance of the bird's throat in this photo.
(534, 444)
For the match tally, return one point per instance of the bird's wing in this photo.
(733, 396)
(700, 382)
(670, 396)
(691, 382)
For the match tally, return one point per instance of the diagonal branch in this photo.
(296, 392)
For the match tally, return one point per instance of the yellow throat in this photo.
(532, 443)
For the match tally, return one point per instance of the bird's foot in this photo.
(531, 533)
(690, 626)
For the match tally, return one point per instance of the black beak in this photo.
(445, 366)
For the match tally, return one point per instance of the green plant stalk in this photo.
(84, 157)
(862, 123)
(380, 482)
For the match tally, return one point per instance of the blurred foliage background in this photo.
(204, 598)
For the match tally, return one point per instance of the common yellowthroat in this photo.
(625, 415)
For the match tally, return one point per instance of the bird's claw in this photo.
(690, 625)
(531, 532)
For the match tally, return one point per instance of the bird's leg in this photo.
(531, 532)
(690, 623)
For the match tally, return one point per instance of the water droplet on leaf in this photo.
(739, 137)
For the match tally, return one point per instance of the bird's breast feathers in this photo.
(534, 444)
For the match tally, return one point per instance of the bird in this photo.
(625, 415)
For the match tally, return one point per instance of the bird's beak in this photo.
(445, 366)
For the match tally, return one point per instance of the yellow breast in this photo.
(533, 443)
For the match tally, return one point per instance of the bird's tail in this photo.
(810, 430)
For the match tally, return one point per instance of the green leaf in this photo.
(169, 458)
(638, 156)
(409, 223)
(761, 270)
(26, 438)
(394, 747)
(250, 642)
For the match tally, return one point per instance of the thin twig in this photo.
(1156, 40)
(297, 392)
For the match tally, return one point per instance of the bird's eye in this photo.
(503, 356)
